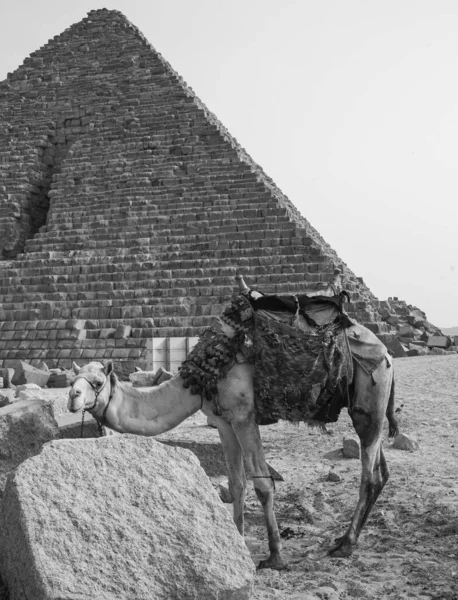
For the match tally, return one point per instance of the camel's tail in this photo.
(393, 422)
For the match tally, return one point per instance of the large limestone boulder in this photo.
(25, 425)
(25, 373)
(119, 517)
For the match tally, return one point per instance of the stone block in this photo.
(61, 380)
(122, 332)
(392, 320)
(417, 350)
(351, 447)
(4, 400)
(25, 425)
(405, 442)
(75, 324)
(396, 348)
(106, 333)
(406, 331)
(375, 327)
(128, 518)
(28, 391)
(438, 351)
(438, 341)
(25, 373)
(7, 375)
(149, 378)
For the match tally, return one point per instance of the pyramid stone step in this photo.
(153, 206)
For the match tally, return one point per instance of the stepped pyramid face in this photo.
(124, 202)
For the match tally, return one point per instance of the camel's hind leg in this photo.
(247, 433)
(367, 412)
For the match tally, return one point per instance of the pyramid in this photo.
(126, 207)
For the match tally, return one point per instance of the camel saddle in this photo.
(300, 350)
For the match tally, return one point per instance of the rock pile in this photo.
(41, 376)
(411, 332)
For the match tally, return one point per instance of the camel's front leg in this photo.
(247, 433)
(235, 469)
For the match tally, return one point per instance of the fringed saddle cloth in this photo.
(301, 357)
(303, 364)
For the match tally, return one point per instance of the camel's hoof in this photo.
(342, 549)
(276, 563)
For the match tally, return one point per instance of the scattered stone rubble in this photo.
(410, 333)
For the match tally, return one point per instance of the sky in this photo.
(350, 106)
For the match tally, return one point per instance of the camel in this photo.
(152, 411)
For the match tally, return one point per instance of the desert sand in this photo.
(409, 546)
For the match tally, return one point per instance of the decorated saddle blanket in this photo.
(299, 375)
(302, 356)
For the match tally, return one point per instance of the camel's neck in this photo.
(149, 411)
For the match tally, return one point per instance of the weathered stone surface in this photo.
(123, 331)
(413, 352)
(438, 351)
(25, 373)
(334, 477)
(406, 331)
(25, 426)
(396, 348)
(438, 341)
(351, 447)
(4, 400)
(119, 517)
(153, 208)
(392, 320)
(405, 442)
(7, 375)
(149, 378)
(416, 350)
(28, 387)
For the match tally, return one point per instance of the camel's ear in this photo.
(108, 367)
(76, 368)
(138, 370)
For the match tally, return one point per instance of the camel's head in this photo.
(90, 387)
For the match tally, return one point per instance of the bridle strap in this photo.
(96, 397)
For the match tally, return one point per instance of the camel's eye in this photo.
(98, 384)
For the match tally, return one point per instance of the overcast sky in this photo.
(350, 106)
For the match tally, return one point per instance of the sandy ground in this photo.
(408, 548)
